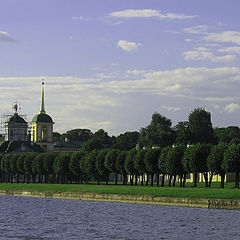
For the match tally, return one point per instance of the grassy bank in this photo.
(188, 192)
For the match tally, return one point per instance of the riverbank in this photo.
(127, 198)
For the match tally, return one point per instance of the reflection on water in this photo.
(39, 218)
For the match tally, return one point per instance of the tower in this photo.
(42, 127)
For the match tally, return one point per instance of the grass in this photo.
(188, 192)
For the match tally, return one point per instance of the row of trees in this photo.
(96, 165)
(198, 129)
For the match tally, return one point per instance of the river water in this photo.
(40, 218)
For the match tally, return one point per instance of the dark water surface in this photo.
(40, 218)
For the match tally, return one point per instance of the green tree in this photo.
(162, 163)
(174, 165)
(48, 160)
(77, 135)
(103, 171)
(139, 163)
(5, 167)
(92, 144)
(158, 133)
(27, 164)
(230, 134)
(37, 167)
(103, 137)
(110, 162)
(13, 166)
(61, 167)
(231, 161)
(151, 163)
(20, 165)
(182, 133)
(215, 159)
(198, 161)
(126, 141)
(120, 165)
(129, 166)
(200, 127)
(74, 165)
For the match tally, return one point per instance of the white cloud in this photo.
(171, 108)
(232, 107)
(81, 18)
(5, 37)
(199, 29)
(128, 46)
(148, 13)
(230, 50)
(201, 53)
(225, 37)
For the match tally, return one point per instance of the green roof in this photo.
(42, 117)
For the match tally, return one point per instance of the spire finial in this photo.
(42, 110)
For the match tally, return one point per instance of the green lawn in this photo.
(189, 191)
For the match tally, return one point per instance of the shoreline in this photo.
(231, 204)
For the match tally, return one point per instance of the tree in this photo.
(231, 161)
(139, 164)
(103, 171)
(90, 165)
(74, 165)
(157, 133)
(110, 162)
(174, 163)
(92, 144)
(48, 161)
(103, 137)
(120, 165)
(182, 133)
(129, 165)
(27, 164)
(151, 163)
(215, 159)
(61, 167)
(56, 137)
(200, 127)
(37, 166)
(5, 167)
(77, 135)
(126, 141)
(13, 166)
(198, 161)
(20, 165)
(162, 163)
(230, 134)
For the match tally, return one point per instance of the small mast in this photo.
(42, 110)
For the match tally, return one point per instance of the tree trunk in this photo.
(136, 180)
(206, 178)
(170, 180)
(157, 179)
(142, 179)
(195, 179)
(222, 179)
(237, 180)
(210, 180)
(131, 180)
(147, 180)
(184, 179)
(174, 180)
(116, 178)
(162, 184)
(152, 175)
(181, 180)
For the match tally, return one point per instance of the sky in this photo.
(111, 64)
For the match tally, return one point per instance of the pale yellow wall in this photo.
(42, 132)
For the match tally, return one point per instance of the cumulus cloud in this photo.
(5, 37)
(128, 46)
(171, 108)
(201, 53)
(232, 107)
(224, 37)
(148, 13)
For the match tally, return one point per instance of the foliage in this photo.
(139, 163)
(92, 144)
(230, 134)
(162, 159)
(61, 164)
(129, 162)
(182, 133)
(174, 160)
(157, 133)
(103, 171)
(37, 164)
(110, 160)
(200, 126)
(151, 160)
(102, 136)
(77, 135)
(126, 141)
(90, 165)
(120, 162)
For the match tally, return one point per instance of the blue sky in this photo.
(111, 63)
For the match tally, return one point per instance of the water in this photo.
(39, 218)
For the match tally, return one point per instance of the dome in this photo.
(16, 119)
(42, 117)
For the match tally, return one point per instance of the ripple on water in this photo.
(41, 219)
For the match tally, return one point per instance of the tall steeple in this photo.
(42, 110)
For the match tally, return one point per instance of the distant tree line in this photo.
(155, 151)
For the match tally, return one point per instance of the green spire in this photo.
(42, 103)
